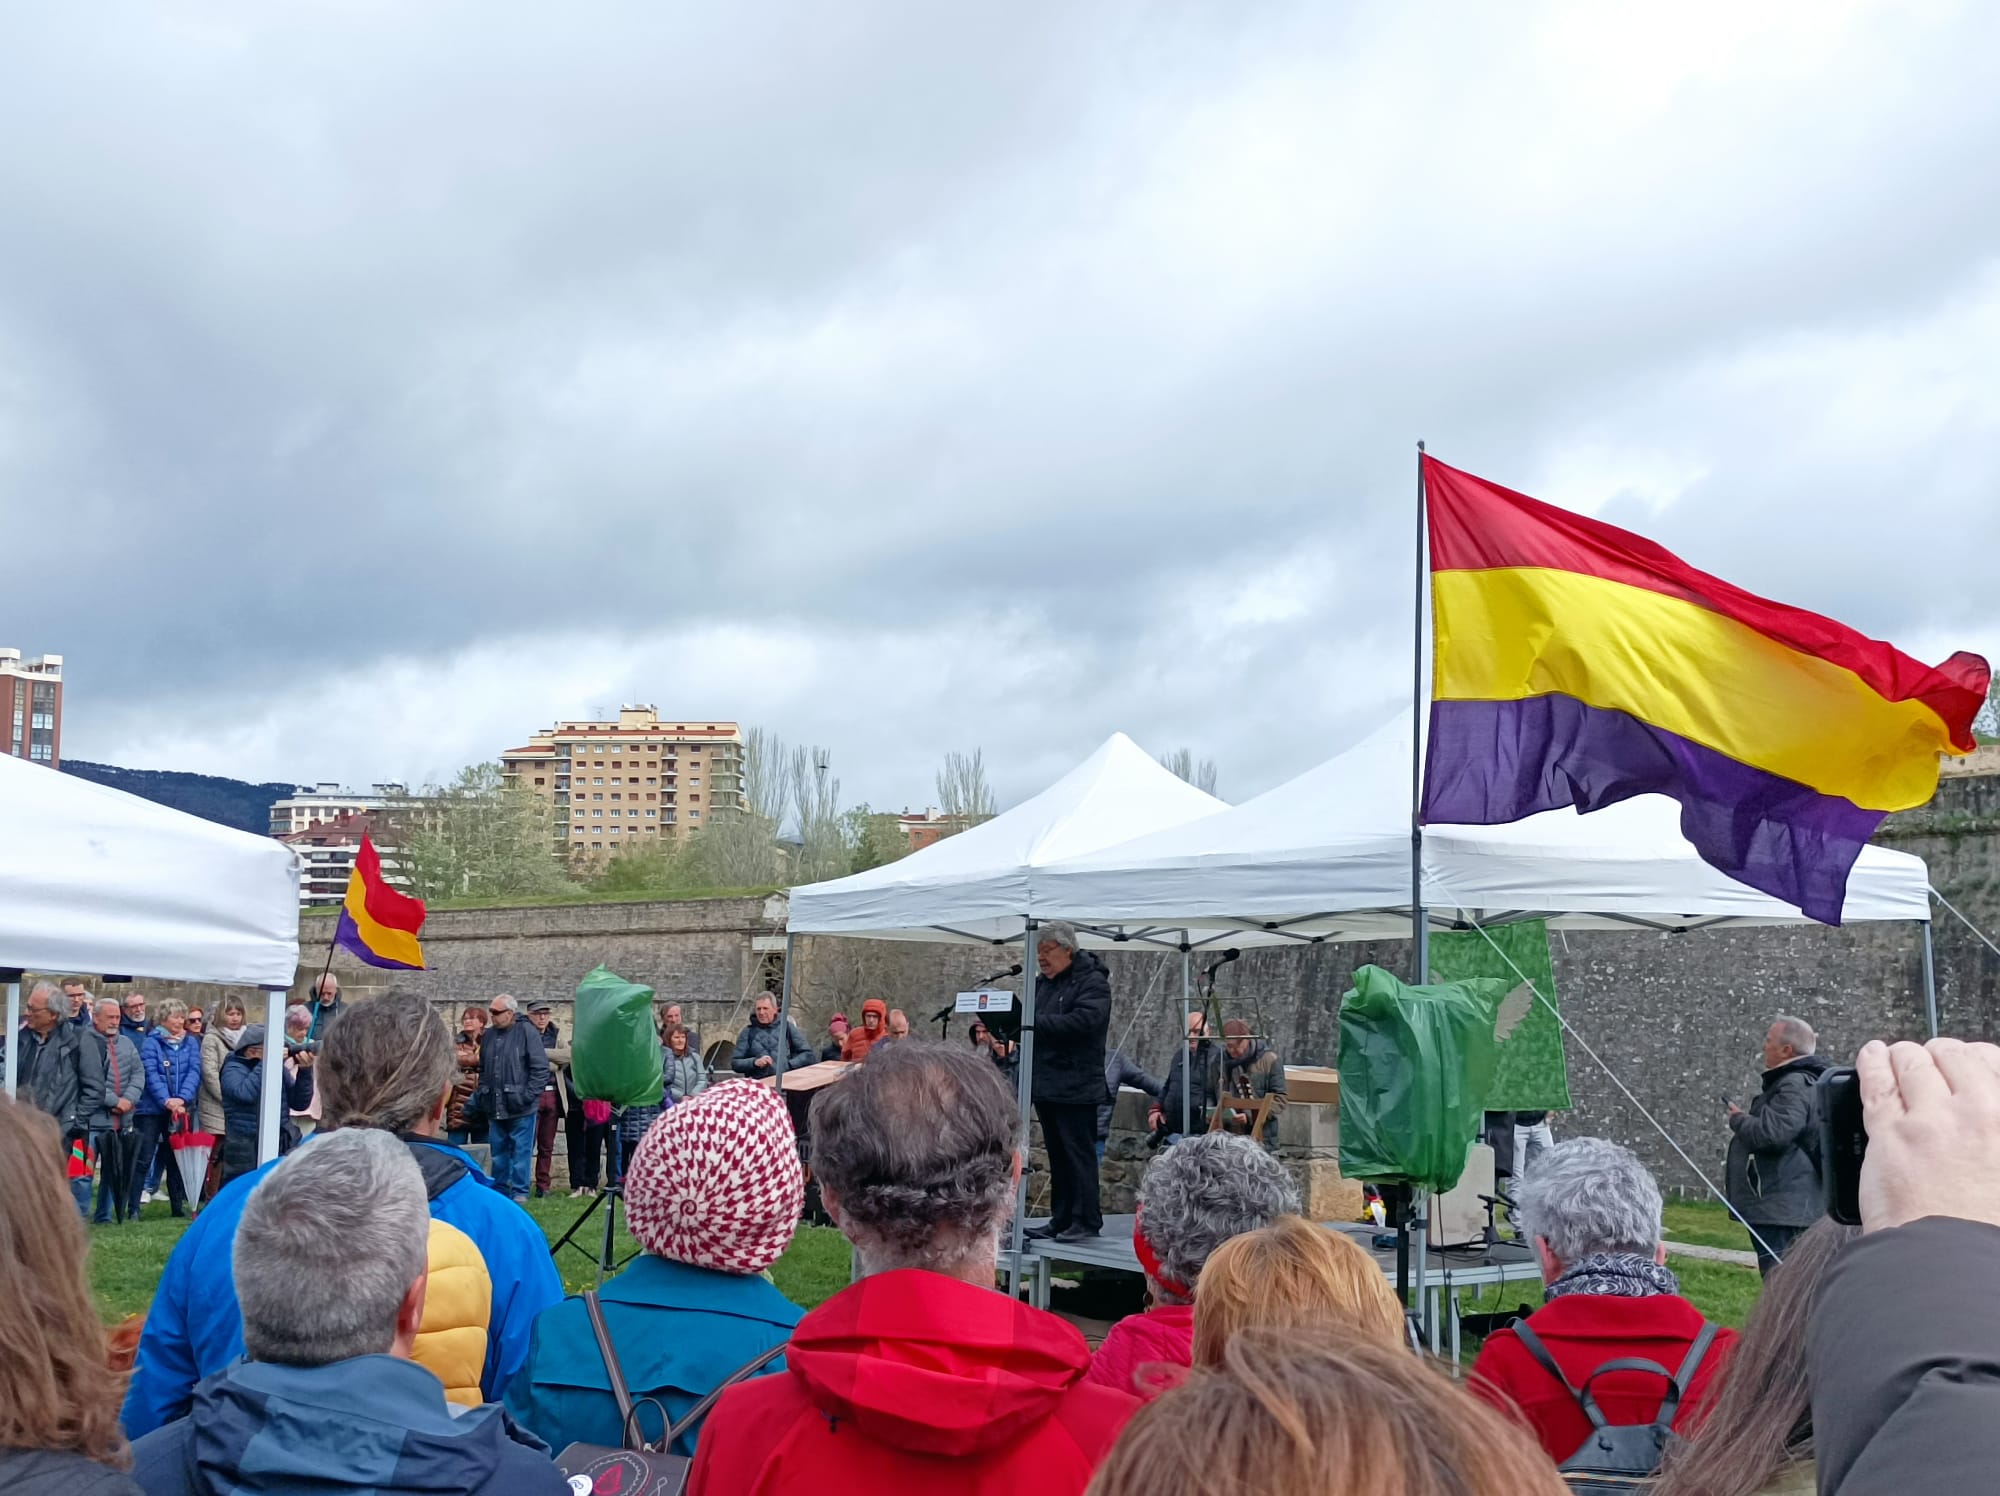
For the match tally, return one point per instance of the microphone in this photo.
(1229, 955)
(1000, 976)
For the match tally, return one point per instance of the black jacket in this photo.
(1207, 1073)
(1120, 1071)
(1773, 1178)
(1072, 1017)
(48, 1070)
(513, 1070)
(762, 1039)
(1903, 1354)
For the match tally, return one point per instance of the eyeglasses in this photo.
(496, 1012)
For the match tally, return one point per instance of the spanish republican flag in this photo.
(1578, 664)
(379, 924)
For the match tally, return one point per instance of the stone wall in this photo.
(1676, 1018)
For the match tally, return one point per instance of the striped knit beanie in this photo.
(716, 1182)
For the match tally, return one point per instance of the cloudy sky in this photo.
(380, 382)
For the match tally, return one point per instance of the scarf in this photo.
(1618, 1275)
(231, 1037)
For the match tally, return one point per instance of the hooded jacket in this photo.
(859, 1041)
(195, 1329)
(911, 1381)
(375, 1424)
(458, 1298)
(1773, 1179)
(779, 1041)
(1146, 1354)
(1072, 1017)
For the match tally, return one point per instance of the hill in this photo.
(227, 802)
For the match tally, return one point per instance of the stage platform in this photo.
(1450, 1270)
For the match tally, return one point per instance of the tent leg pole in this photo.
(785, 1014)
(1187, 1057)
(1931, 987)
(271, 1099)
(12, 1035)
(1026, 1080)
(1420, 1247)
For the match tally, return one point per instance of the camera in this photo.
(302, 1046)
(1843, 1143)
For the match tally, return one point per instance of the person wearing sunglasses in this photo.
(513, 1069)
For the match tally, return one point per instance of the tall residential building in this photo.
(31, 707)
(639, 778)
(933, 825)
(317, 804)
(327, 851)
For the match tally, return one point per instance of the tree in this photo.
(874, 838)
(963, 794)
(477, 838)
(814, 796)
(1199, 773)
(1987, 724)
(737, 847)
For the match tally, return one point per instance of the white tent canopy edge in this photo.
(95, 880)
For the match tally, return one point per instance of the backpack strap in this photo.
(630, 1436)
(700, 1410)
(1532, 1344)
(1682, 1381)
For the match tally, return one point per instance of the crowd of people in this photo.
(372, 1312)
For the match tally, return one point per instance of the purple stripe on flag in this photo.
(347, 935)
(1496, 761)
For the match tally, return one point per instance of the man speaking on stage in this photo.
(1072, 1017)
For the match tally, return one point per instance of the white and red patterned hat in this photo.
(716, 1182)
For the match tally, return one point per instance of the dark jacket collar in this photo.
(1811, 1066)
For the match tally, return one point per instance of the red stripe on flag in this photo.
(387, 906)
(1480, 526)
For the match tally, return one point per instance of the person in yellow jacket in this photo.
(451, 1341)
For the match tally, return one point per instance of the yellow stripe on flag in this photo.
(1514, 632)
(393, 945)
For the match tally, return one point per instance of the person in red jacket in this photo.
(1593, 1214)
(874, 1026)
(920, 1377)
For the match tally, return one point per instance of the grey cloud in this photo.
(348, 341)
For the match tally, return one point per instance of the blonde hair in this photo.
(1291, 1414)
(1292, 1275)
(169, 1007)
(57, 1389)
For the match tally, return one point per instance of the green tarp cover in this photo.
(1532, 1072)
(1415, 1067)
(614, 1048)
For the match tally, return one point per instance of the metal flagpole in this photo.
(1931, 989)
(1025, 1077)
(1420, 934)
(269, 1102)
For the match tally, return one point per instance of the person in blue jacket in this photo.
(387, 1064)
(713, 1195)
(172, 1058)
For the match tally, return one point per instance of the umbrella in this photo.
(191, 1154)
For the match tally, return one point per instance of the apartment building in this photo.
(327, 852)
(31, 707)
(320, 804)
(923, 829)
(632, 781)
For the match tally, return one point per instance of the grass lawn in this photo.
(126, 1261)
(1705, 1223)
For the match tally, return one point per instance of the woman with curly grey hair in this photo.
(917, 1153)
(1195, 1196)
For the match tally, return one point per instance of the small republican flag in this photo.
(379, 924)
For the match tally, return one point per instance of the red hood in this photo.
(935, 1366)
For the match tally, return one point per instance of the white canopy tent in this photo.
(95, 880)
(982, 884)
(1326, 856)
